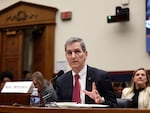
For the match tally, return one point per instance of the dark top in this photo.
(48, 93)
(135, 97)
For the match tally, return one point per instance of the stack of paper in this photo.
(73, 104)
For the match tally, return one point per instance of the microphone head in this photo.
(60, 73)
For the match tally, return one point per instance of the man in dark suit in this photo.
(95, 84)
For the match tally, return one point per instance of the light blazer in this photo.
(143, 99)
(64, 86)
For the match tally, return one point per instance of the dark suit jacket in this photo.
(64, 86)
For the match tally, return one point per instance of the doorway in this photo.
(32, 37)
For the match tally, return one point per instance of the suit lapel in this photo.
(89, 80)
(69, 82)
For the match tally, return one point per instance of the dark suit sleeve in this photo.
(106, 90)
(64, 88)
(103, 85)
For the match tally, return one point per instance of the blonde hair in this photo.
(132, 82)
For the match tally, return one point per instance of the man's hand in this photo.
(94, 94)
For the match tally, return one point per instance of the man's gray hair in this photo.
(75, 39)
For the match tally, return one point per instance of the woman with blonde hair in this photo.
(139, 91)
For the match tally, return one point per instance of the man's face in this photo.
(76, 57)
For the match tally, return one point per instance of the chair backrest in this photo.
(124, 103)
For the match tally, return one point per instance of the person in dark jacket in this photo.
(95, 84)
(5, 76)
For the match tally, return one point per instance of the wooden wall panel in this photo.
(12, 53)
(27, 16)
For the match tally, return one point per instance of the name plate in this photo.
(18, 87)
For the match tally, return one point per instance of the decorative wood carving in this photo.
(24, 13)
(21, 15)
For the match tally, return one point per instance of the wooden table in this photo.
(26, 109)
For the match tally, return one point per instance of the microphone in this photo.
(61, 72)
(53, 80)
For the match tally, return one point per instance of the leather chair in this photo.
(124, 103)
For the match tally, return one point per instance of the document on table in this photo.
(73, 104)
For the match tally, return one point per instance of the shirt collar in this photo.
(82, 72)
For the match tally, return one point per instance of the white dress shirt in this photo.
(82, 81)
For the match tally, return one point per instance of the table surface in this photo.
(28, 109)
